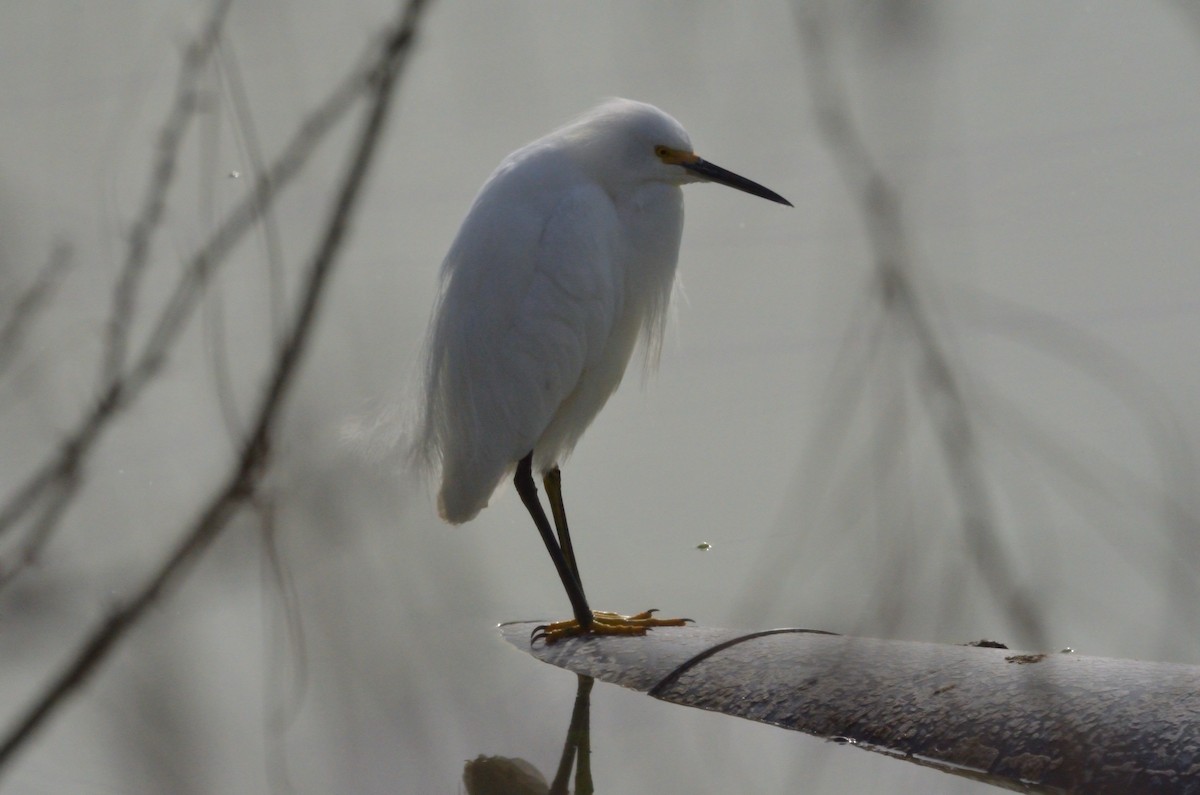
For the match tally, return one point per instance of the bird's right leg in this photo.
(523, 480)
(553, 481)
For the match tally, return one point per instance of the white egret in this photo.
(564, 261)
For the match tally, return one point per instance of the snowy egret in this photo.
(564, 261)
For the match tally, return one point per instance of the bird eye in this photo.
(662, 151)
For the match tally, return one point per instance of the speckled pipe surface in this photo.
(1029, 721)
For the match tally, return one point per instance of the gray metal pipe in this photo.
(1029, 721)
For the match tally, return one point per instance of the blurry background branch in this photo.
(51, 488)
(893, 314)
(899, 352)
(141, 236)
(902, 313)
(379, 76)
(43, 497)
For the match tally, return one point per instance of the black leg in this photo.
(523, 480)
(578, 744)
(553, 481)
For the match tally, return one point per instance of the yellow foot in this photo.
(604, 623)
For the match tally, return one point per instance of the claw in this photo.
(604, 623)
(540, 632)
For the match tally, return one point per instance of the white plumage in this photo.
(564, 261)
(566, 256)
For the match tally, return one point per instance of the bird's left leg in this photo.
(603, 622)
(527, 489)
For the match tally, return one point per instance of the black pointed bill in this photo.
(714, 173)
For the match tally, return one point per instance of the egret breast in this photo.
(651, 222)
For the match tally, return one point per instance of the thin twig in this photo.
(231, 74)
(245, 477)
(284, 693)
(170, 139)
(212, 315)
(229, 77)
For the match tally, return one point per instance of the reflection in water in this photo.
(501, 775)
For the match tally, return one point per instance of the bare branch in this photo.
(243, 480)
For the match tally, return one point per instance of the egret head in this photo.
(631, 142)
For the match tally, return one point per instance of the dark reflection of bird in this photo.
(502, 775)
(564, 261)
